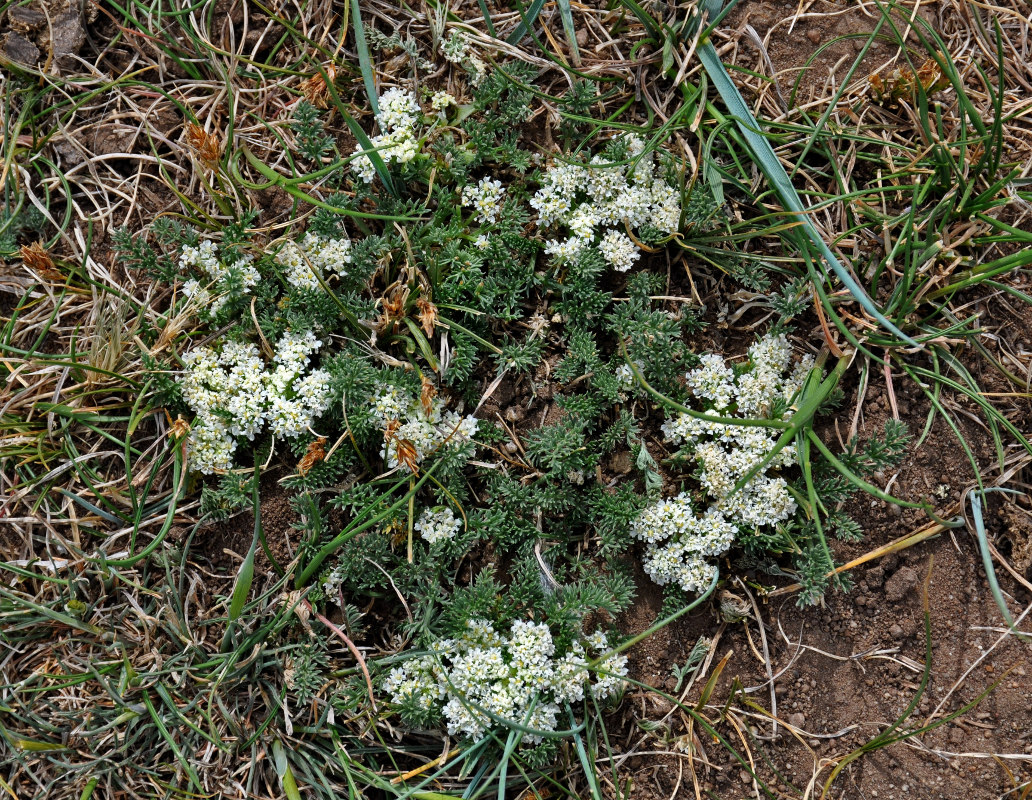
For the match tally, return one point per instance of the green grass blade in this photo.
(360, 135)
(487, 19)
(286, 775)
(643, 17)
(975, 498)
(587, 760)
(526, 21)
(167, 736)
(775, 173)
(566, 14)
(245, 576)
(365, 63)
(355, 529)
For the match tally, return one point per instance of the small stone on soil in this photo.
(900, 584)
(23, 19)
(18, 48)
(620, 463)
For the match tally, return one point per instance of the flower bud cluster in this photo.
(455, 48)
(679, 539)
(414, 429)
(211, 295)
(397, 143)
(440, 101)
(235, 394)
(519, 678)
(596, 202)
(312, 258)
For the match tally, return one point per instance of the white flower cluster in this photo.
(518, 678)
(234, 394)
(412, 431)
(438, 525)
(625, 377)
(313, 258)
(205, 258)
(397, 143)
(485, 198)
(679, 540)
(595, 199)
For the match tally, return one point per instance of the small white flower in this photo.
(455, 48)
(327, 255)
(193, 291)
(619, 250)
(713, 381)
(399, 109)
(595, 201)
(426, 430)
(678, 540)
(298, 269)
(517, 677)
(362, 166)
(566, 251)
(441, 100)
(397, 143)
(209, 447)
(235, 394)
(211, 295)
(438, 525)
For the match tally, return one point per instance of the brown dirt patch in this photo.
(223, 545)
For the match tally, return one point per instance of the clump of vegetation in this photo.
(466, 349)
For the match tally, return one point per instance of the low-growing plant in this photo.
(374, 337)
(478, 364)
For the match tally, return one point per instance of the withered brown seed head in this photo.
(180, 428)
(207, 145)
(316, 453)
(427, 315)
(392, 307)
(426, 395)
(407, 454)
(315, 89)
(38, 259)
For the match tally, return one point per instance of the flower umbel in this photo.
(680, 538)
(518, 677)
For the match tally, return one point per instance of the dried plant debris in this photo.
(903, 83)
